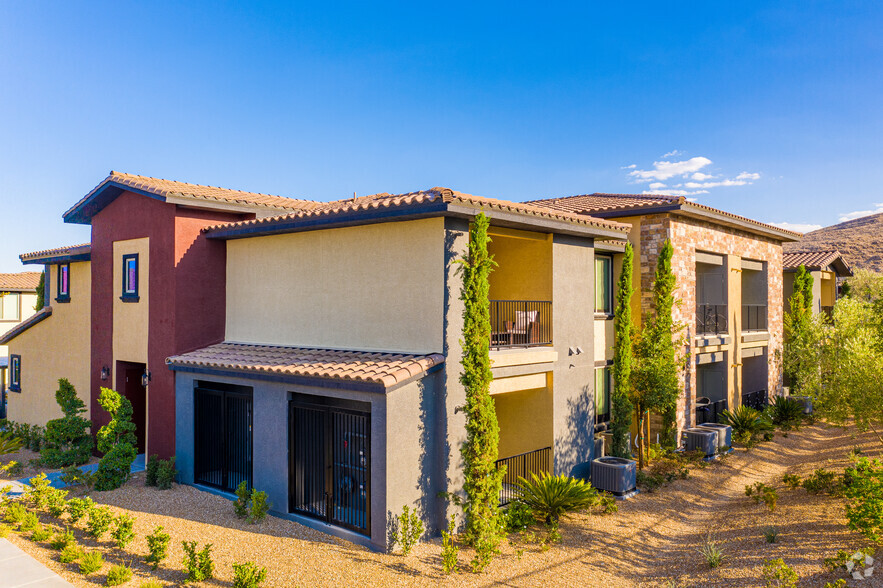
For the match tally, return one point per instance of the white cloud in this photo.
(878, 208)
(748, 176)
(701, 177)
(798, 227)
(676, 192)
(656, 186)
(632, 166)
(663, 170)
(715, 184)
(674, 153)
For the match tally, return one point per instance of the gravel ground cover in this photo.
(652, 540)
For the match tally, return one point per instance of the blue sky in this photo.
(776, 106)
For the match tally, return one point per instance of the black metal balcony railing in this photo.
(711, 319)
(710, 412)
(754, 317)
(520, 323)
(522, 465)
(757, 400)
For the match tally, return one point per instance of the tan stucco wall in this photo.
(525, 419)
(57, 347)
(131, 319)
(524, 265)
(604, 339)
(27, 301)
(376, 287)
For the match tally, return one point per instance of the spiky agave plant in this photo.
(785, 412)
(8, 443)
(746, 421)
(551, 497)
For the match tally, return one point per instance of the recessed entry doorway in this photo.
(129, 385)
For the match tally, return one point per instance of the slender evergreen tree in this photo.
(622, 360)
(40, 292)
(800, 342)
(480, 451)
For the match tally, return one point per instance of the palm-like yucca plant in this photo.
(553, 496)
(745, 419)
(9, 444)
(785, 412)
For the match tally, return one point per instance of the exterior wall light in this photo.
(145, 377)
(105, 373)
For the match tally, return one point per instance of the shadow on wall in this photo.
(574, 450)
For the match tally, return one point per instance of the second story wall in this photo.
(376, 287)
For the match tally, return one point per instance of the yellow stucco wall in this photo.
(374, 287)
(524, 265)
(27, 301)
(57, 347)
(525, 419)
(131, 319)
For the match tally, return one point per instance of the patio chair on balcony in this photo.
(525, 329)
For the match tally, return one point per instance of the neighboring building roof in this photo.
(858, 241)
(816, 260)
(23, 326)
(619, 205)
(432, 202)
(178, 192)
(58, 255)
(379, 371)
(20, 282)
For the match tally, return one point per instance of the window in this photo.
(130, 278)
(602, 394)
(63, 286)
(15, 373)
(10, 306)
(603, 284)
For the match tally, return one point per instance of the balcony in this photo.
(520, 323)
(754, 317)
(711, 319)
(522, 466)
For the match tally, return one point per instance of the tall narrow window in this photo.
(603, 284)
(10, 306)
(130, 278)
(63, 286)
(15, 373)
(602, 394)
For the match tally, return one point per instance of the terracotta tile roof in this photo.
(385, 369)
(19, 282)
(815, 260)
(605, 203)
(26, 324)
(168, 188)
(424, 198)
(57, 252)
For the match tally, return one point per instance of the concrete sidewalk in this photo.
(17, 568)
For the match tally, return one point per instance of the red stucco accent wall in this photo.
(187, 297)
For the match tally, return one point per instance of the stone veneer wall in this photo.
(687, 236)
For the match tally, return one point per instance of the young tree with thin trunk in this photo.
(802, 344)
(483, 480)
(622, 360)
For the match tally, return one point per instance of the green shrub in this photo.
(40, 533)
(150, 584)
(4, 530)
(771, 533)
(100, 518)
(118, 575)
(409, 530)
(778, 574)
(248, 575)
(791, 480)
(864, 497)
(166, 473)
(13, 468)
(197, 564)
(115, 467)
(748, 425)
(260, 506)
(518, 517)
(785, 412)
(71, 553)
(77, 508)
(29, 522)
(56, 502)
(150, 470)
(760, 492)
(91, 562)
(74, 476)
(35, 438)
(37, 493)
(839, 583)
(552, 497)
(67, 440)
(9, 443)
(62, 540)
(158, 545)
(123, 532)
(822, 481)
(450, 550)
(15, 513)
(240, 505)
(711, 551)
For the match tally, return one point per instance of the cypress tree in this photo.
(622, 360)
(41, 302)
(797, 323)
(483, 480)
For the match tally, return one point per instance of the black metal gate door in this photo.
(223, 438)
(330, 464)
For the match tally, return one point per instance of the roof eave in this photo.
(61, 258)
(529, 222)
(23, 326)
(103, 194)
(745, 225)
